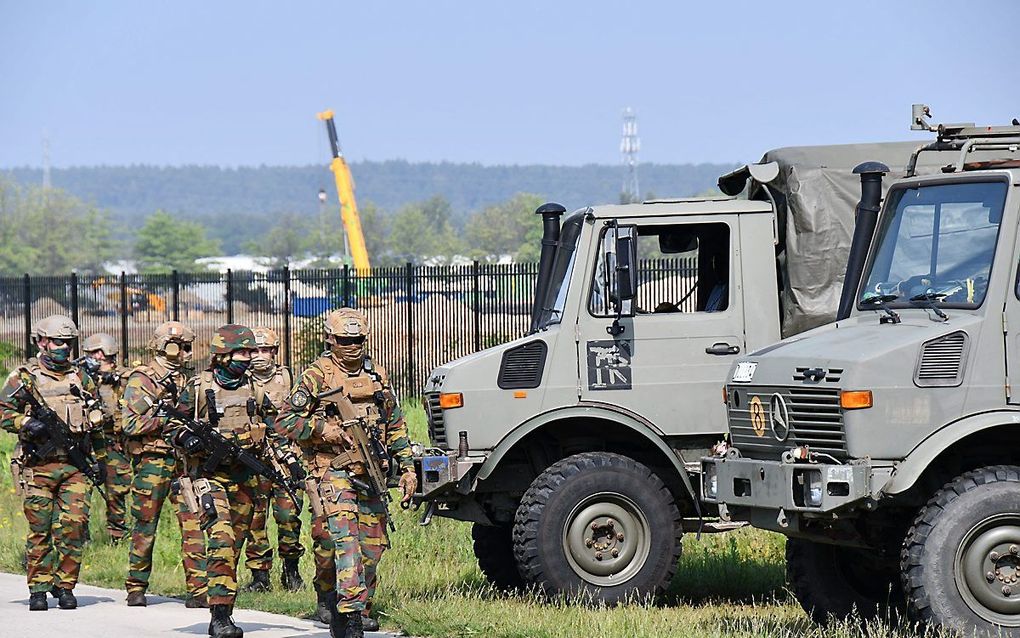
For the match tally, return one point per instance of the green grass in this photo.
(430, 585)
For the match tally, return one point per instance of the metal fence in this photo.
(421, 316)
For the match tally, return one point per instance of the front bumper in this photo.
(780, 495)
(444, 473)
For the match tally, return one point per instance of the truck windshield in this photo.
(563, 267)
(936, 245)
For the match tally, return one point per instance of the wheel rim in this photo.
(988, 569)
(606, 539)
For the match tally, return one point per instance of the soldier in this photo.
(155, 466)
(355, 515)
(100, 362)
(54, 489)
(228, 491)
(274, 381)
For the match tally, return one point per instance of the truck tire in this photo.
(834, 582)
(597, 525)
(968, 531)
(494, 549)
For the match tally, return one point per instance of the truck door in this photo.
(668, 360)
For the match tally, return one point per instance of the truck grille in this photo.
(437, 425)
(815, 420)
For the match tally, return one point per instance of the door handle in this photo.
(722, 348)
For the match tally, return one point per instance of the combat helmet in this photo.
(170, 331)
(231, 337)
(101, 341)
(54, 327)
(266, 338)
(347, 322)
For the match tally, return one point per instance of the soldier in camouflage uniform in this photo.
(155, 465)
(228, 492)
(100, 362)
(355, 517)
(54, 490)
(274, 381)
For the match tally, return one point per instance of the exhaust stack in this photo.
(551, 213)
(866, 218)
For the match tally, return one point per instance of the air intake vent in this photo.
(817, 375)
(942, 360)
(522, 366)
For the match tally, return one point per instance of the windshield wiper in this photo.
(927, 299)
(881, 301)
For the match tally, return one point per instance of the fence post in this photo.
(230, 296)
(347, 285)
(124, 316)
(476, 301)
(286, 317)
(409, 281)
(28, 315)
(74, 309)
(176, 294)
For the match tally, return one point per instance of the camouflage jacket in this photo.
(303, 420)
(14, 409)
(142, 424)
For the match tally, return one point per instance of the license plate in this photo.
(744, 372)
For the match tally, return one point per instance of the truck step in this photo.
(690, 526)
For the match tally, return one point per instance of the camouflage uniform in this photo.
(355, 518)
(54, 490)
(118, 466)
(155, 466)
(274, 382)
(228, 492)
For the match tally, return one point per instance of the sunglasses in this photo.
(348, 341)
(57, 341)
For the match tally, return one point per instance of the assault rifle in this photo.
(222, 450)
(58, 434)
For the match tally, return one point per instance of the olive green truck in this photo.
(575, 450)
(886, 444)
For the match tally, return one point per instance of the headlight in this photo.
(709, 480)
(812, 488)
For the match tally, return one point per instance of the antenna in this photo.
(630, 144)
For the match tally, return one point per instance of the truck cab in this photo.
(884, 444)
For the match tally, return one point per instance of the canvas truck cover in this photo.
(816, 194)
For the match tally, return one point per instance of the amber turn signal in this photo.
(451, 400)
(855, 399)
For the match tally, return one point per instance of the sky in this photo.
(239, 83)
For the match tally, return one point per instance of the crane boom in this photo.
(345, 192)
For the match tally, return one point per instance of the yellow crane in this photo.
(345, 192)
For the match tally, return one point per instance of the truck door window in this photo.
(682, 268)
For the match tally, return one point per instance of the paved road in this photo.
(102, 613)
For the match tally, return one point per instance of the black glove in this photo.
(33, 429)
(297, 473)
(188, 442)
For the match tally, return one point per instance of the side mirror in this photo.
(626, 266)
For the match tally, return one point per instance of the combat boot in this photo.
(66, 599)
(37, 601)
(222, 625)
(136, 598)
(290, 577)
(197, 602)
(346, 625)
(259, 581)
(325, 604)
(369, 623)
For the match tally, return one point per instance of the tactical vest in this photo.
(276, 389)
(238, 410)
(153, 442)
(111, 394)
(55, 389)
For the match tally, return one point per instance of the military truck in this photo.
(572, 448)
(885, 445)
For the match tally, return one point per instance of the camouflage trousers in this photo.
(55, 496)
(233, 498)
(153, 474)
(323, 556)
(118, 486)
(258, 552)
(357, 525)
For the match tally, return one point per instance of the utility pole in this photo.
(630, 144)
